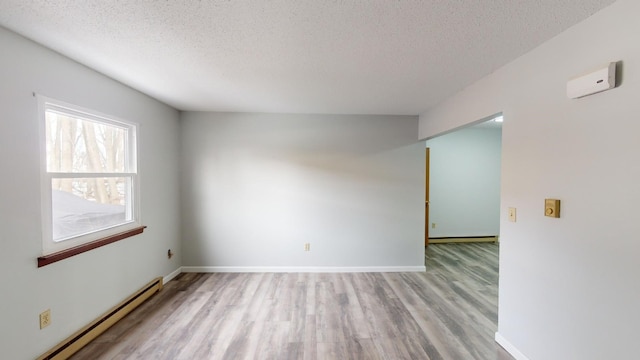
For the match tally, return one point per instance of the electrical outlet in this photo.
(433, 225)
(169, 254)
(45, 318)
(307, 247)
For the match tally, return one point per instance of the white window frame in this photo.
(49, 246)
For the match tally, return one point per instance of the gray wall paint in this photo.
(568, 286)
(78, 289)
(256, 187)
(464, 183)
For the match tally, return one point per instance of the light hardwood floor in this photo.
(449, 312)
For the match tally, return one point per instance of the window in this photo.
(90, 179)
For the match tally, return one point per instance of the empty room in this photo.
(246, 179)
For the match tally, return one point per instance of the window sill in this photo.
(61, 255)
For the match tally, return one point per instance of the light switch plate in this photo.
(512, 214)
(552, 208)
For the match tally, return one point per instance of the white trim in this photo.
(71, 175)
(172, 275)
(509, 347)
(82, 112)
(46, 235)
(300, 269)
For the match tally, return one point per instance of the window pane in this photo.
(79, 145)
(84, 205)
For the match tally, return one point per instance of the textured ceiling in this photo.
(295, 56)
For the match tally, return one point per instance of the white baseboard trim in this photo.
(172, 275)
(300, 269)
(510, 348)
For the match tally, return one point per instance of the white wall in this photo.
(78, 289)
(464, 182)
(569, 286)
(256, 187)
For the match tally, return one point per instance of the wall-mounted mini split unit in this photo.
(604, 78)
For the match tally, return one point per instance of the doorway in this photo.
(462, 201)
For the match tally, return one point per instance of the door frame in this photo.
(426, 200)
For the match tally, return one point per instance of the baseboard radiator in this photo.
(462, 239)
(82, 337)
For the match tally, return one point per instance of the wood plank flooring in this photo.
(449, 312)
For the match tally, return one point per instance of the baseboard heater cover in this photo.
(462, 239)
(82, 337)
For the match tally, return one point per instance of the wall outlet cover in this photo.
(45, 318)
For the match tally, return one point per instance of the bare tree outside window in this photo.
(81, 146)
